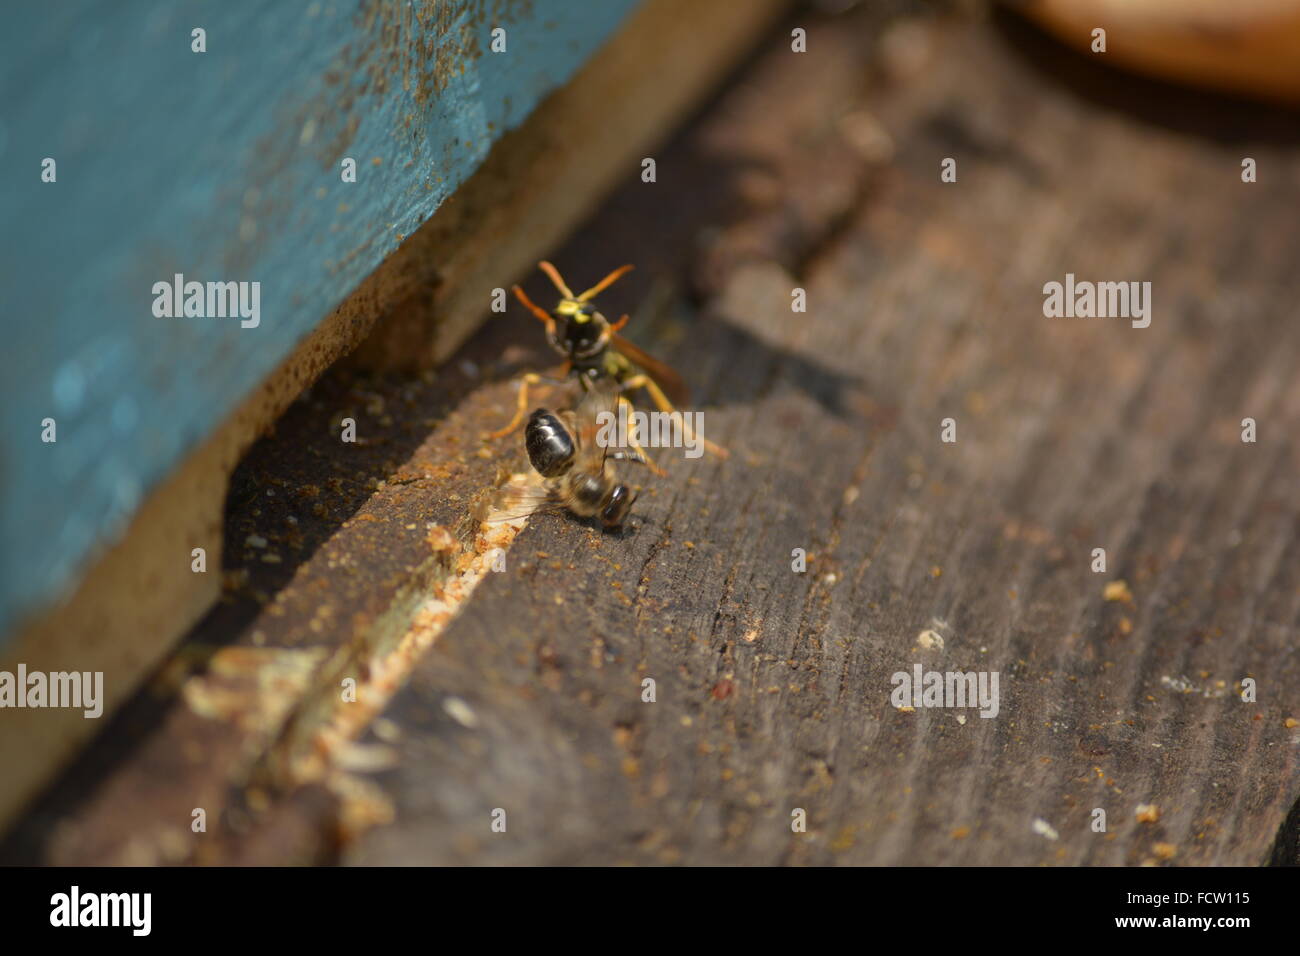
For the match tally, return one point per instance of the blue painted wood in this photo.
(221, 166)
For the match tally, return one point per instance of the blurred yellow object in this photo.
(1246, 46)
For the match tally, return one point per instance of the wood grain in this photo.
(773, 688)
(821, 171)
(140, 596)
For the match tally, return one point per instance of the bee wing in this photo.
(519, 499)
(669, 380)
(589, 454)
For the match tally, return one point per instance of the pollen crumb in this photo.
(930, 639)
(1118, 591)
(440, 539)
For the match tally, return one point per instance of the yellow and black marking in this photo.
(593, 349)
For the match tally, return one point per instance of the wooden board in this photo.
(925, 302)
(423, 300)
(773, 688)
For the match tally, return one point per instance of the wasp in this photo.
(593, 350)
(574, 470)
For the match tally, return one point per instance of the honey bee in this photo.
(593, 351)
(573, 470)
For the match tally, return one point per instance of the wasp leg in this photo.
(664, 405)
(532, 378)
(638, 453)
(635, 456)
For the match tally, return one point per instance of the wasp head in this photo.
(574, 310)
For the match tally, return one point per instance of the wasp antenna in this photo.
(619, 324)
(605, 283)
(533, 307)
(557, 280)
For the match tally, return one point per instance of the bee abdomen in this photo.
(550, 447)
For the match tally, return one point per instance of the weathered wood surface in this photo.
(821, 171)
(425, 299)
(1073, 435)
